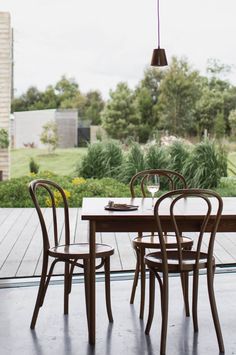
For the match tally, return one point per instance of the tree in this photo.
(147, 114)
(49, 136)
(66, 88)
(179, 92)
(215, 67)
(65, 94)
(232, 122)
(146, 101)
(218, 95)
(93, 107)
(207, 107)
(151, 81)
(119, 117)
(31, 100)
(49, 99)
(219, 125)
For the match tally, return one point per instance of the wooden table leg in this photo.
(92, 297)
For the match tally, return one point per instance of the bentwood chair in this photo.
(62, 250)
(172, 180)
(183, 261)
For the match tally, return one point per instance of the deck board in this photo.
(32, 254)
(17, 253)
(21, 242)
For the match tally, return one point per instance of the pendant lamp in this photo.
(159, 55)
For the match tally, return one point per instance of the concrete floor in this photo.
(67, 335)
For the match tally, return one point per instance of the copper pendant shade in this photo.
(159, 55)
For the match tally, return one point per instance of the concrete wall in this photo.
(28, 125)
(67, 122)
(5, 85)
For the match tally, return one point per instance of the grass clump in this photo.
(33, 166)
(179, 154)
(205, 165)
(101, 160)
(133, 163)
(157, 157)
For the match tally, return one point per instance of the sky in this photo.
(103, 42)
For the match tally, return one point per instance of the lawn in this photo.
(62, 162)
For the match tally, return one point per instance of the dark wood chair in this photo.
(172, 179)
(184, 261)
(63, 250)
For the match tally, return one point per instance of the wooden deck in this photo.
(21, 243)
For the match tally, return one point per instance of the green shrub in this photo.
(227, 186)
(101, 160)
(33, 166)
(4, 140)
(179, 153)
(133, 163)
(113, 158)
(14, 193)
(156, 158)
(92, 164)
(205, 165)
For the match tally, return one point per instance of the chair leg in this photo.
(41, 294)
(70, 278)
(47, 281)
(195, 299)
(66, 287)
(210, 278)
(136, 275)
(164, 306)
(143, 281)
(151, 301)
(185, 284)
(108, 288)
(86, 288)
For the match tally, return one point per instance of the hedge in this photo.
(14, 193)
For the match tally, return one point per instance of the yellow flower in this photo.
(78, 181)
(58, 198)
(48, 202)
(67, 193)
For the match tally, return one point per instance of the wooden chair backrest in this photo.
(173, 178)
(210, 219)
(51, 188)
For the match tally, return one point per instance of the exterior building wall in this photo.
(67, 122)
(28, 127)
(5, 86)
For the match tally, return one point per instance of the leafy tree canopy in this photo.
(179, 91)
(177, 99)
(119, 117)
(64, 94)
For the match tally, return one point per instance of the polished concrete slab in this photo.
(67, 335)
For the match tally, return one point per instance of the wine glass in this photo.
(153, 185)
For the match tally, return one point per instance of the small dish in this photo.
(120, 207)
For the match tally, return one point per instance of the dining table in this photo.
(189, 215)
